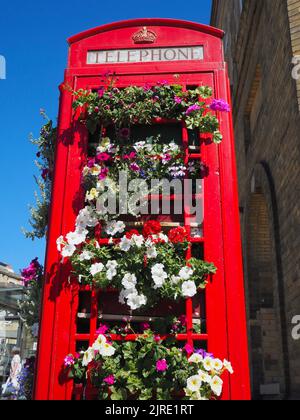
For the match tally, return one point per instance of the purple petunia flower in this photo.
(192, 108)
(161, 365)
(204, 354)
(103, 174)
(134, 167)
(31, 272)
(220, 105)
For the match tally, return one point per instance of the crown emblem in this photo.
(144, 36)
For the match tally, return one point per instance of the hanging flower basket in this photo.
(145, 268)
(148, 369)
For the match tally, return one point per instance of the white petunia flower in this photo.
(216, 385)
(217, 365)
(186, 273)
(86, 256)
(99, 342)
(125, 293)
(86, 217)
(194, 383)
(96, 268)
(196, 358)
(175, 280)
(113, 228)
(77, 237)
(125, 244)
(208, 364)
(135, 301)
(107, 350)
(189, 289)
(138, 240)
(111, 267)
(159, 276)
(204, 377)
(59, 242)
(68, 250)
(228, 366)
(157, 269)
(151, 252)
(129, 281)
(88, 356)
(139, 146)
(172, 147)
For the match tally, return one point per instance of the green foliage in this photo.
(45, 144)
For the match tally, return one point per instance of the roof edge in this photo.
(146, 22)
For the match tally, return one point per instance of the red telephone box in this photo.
(146, 51)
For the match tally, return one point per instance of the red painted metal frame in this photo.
(225, 306)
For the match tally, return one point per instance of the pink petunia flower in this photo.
(110, 380)
(69, 361)
(103, 157)
(161, 365)
(102, 329)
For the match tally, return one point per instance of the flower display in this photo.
(147, 369)
(143, 267)
(125, 107)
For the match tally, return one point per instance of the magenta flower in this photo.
(102, 329)
(110, 380)
(101, 92)
(182, 319)
(147, 87)
(124, 133)
(161, 365)
(177, 100)
(189, 349)
(69, 361)
(145, 326)
(134, 167)
(192, 108)
(103, 157)
(103, 174)
(31, 272)
(91, 162)
(220, 105)
(131, 156)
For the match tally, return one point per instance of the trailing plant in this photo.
(45, 164)
(29, 306)
(148, 368)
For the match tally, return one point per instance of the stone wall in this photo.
(260, 42)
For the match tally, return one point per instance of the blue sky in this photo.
(33, 41)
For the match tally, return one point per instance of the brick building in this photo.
(262, 37)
